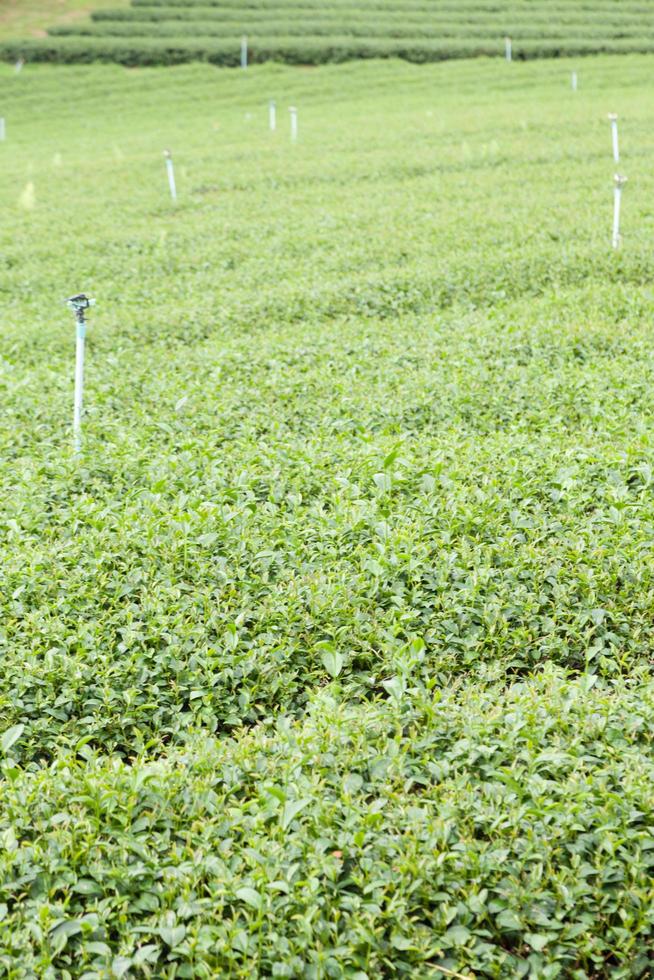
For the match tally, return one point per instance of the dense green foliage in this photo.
(331, 656)
(312, 32)
(133, 52)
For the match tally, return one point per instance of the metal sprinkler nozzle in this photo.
(613, 116)
(79, 304)
(619, 180)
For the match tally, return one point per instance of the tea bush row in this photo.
(477, 7)
(477, 20)
(265, 30)
(299, 51)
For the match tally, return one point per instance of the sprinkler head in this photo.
(619, 180)
(613, 116)
(79, 304)
(168, 155)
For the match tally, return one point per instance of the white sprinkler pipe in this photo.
(244, 52)
(272, 115)
(171, 174)
(3, 129)
(508, 48)
(614, 136)
(618, 183)
(79, 304)
(574, 81)
(79, 386)
(293, 112)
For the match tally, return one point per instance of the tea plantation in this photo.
(330, 656)
(312, 32)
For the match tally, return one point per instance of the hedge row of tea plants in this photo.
(167, 32)
(400, 28)
(134, 51)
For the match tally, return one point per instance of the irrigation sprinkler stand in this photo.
(171, 174)
(508, 49)
(574, 81)
(293, 112)
(272, 115)
(618, 183)
(3, 129)
(79, 305)
(244, 52)
(614, 136)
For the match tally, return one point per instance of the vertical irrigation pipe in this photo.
(3, 129)
(508, 48)
(79, 304)
(618, 184)
(272, 115)
(574, 81)
(244, 52)
(171, 174)
(613, 119)
(293, 112)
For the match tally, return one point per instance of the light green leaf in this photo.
(10, 737)
(537, 940)
(86, 886)
(456, 936)
(63, 931)
(250, 897)
(332, 661)
(172, 935)
(383, 482)
(396, 687)
(120, 965)
(291, 810)
(508, 920)
(97, 948)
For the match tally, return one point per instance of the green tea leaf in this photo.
(10, 737)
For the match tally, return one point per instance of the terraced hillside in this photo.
(313, 32)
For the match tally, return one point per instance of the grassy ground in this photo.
(30, 18)
(331, 655)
